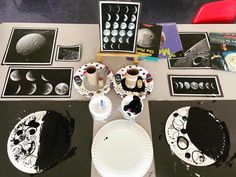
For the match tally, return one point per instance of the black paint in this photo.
(208, 134)
(135, 89)
(135, 106)
(55, 140)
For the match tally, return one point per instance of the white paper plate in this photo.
(174, 125)
(25, 163)
(143, 73)
(122, 148)
(80, 85)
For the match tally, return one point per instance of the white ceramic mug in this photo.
(100, 107)
(131, 77)
(92, 75)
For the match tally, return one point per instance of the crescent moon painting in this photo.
(118, 9)
(108, 17)
(181, 85)
(135, 9)
(127, 9)
(125, 17)
(117, 17)
(32, 89)
(43, 77)
(127, 40)
(176, 85)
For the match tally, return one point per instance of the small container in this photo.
(131, 107)
(92, 75)
(100, 107)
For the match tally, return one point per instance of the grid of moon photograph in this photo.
(118, 25)
(38, 82)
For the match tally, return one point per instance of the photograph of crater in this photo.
(30, 46)
(196, 49)
(38, 82)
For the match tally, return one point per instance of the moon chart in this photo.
(38, 82)
(118, 25)
(182, 85)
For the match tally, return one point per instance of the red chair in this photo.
(216, 12)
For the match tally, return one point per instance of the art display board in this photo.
(77, 162)
(169, 165)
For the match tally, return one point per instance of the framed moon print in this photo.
(31, 46)
(118, 26)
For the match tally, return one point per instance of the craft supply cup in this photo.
(128, 114)
(100, 107)
(92, 75)
(131, 78)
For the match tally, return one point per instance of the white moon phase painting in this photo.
(38, 82)
(123, 17)
(30, 46)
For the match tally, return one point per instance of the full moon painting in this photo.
(30, 46)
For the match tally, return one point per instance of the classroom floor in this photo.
(86, 11)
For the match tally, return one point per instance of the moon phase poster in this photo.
(38, 82)
(30, 46)
(118, 26)
(195, 85)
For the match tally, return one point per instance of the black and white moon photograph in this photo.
(30, 46)
(118, 25)
(68, 53)
(196, 49)
(195, 85)
(38, 82)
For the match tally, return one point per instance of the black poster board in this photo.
(168, 165)
(78, 164)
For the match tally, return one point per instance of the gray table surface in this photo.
(88, 36)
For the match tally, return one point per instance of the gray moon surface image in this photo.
(30, 76)
(16, 75)
(30, 43)
(47, 89)
(61, 89)
(145, 37)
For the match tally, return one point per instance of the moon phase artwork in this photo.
(195, 85)
(38, 82)
(68, 53)
(194, 138)
(196, 50)
(30, 46)
(118, 26)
